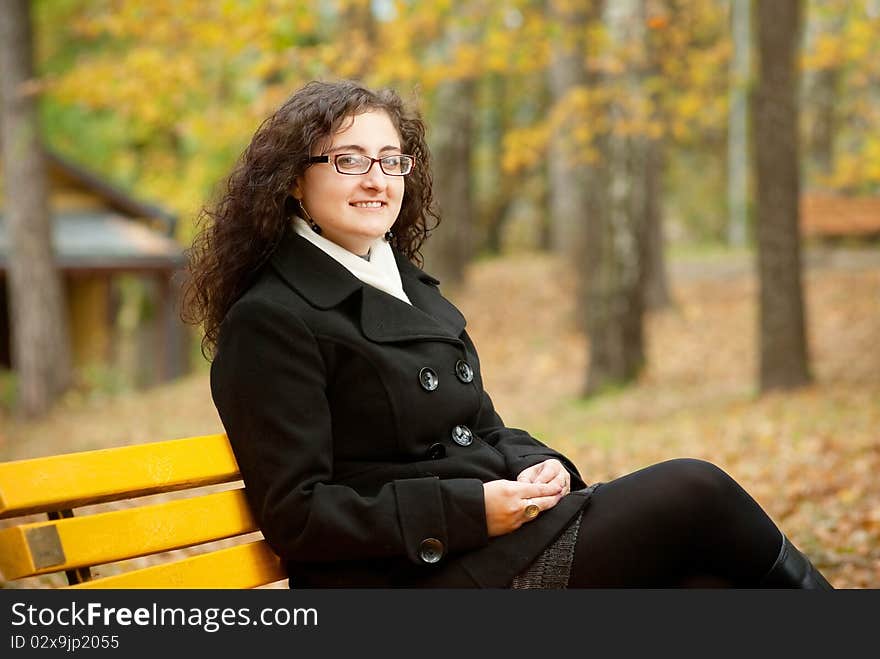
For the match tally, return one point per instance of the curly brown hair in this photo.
(239, 232)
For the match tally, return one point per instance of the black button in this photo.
(436, 451)
(462, 436)
(464, 371)
(428, 379)
(430, 550)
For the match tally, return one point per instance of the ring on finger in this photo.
(531, 511)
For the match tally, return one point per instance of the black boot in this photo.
(793, 570)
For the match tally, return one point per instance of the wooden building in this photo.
(120, 267)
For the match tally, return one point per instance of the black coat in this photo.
(363, 432)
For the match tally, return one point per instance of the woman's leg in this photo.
(673, 524)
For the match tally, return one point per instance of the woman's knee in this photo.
(685, 489)
(696, 469)
(699, 480)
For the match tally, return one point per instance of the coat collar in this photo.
(325, 283)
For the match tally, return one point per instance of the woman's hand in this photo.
(506, 503)
(550, 471)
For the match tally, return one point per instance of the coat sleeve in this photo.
(268, 382)
(519, 448)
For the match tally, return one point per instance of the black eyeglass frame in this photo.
(373, 161)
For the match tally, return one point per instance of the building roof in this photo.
(104, 241)
(113, 197)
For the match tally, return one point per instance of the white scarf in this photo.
(380, 271)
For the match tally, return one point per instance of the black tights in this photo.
(679, 523)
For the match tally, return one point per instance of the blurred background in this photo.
(660, 217)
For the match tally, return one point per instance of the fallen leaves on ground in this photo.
(809, 457)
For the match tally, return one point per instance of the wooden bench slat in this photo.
(43, 547)
(76, 479)
(243, 566)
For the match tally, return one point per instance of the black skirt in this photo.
(552, 568)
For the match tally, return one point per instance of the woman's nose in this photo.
(374, 178)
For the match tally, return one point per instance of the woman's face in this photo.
(354, 210)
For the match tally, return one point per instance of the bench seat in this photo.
(98, 513)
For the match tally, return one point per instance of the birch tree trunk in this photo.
(40, 342)
(617, 243)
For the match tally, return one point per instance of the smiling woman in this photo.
(353, 400)
(356, 210)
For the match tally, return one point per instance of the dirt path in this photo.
(742, 264)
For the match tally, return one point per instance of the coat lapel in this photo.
(313, 274)
(325, 283)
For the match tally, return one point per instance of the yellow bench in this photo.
(104, 538)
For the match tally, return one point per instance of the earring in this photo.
(389, 236)
(308, 218)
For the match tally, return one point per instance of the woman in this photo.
(352, 394)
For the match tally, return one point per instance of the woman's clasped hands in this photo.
(510, 504)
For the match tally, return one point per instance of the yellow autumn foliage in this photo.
(200, 75)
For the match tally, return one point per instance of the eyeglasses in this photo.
(355, 163)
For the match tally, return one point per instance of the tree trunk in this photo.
(822, 90)
(614, 269)
(616, 256)
(543, 203)
(359, 29)
(737, 126)
(500, 188)
(567, 176)
(783, 345)
(825, 98)
(450, 249)
(657, 295)
(40, 342)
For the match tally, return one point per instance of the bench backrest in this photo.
(840, 216)
(105, 537)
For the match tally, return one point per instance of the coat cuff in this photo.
(440, 516)
(465, 507)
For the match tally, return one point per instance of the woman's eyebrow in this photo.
(358, 148)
